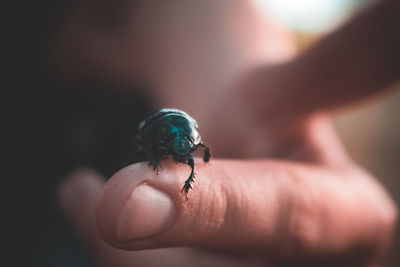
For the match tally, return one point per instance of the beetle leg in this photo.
(152, 161)
(187, 185)
(142, 154)
(207, 154)
(155, 163)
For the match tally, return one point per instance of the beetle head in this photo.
(181, 145)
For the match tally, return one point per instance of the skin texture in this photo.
(292, 195)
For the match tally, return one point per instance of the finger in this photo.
(279, 209)
(356, 61)
(77, 196)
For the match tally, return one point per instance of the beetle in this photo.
(169, 132)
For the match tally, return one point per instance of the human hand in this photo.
(313, 205)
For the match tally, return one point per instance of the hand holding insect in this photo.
(301, 199)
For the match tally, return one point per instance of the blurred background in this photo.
(50, 129)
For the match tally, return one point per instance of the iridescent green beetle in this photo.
(169, 132)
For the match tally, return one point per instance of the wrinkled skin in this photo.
(292, 195)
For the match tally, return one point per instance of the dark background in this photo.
(49, 127)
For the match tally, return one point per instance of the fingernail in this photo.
(147, 213)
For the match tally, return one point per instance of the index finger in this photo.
(356, 61)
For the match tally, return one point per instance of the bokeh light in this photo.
(311, 16)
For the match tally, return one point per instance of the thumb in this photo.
(279, 209)
(227, 208)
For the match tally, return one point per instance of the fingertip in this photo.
(143, 209)
(137, 202)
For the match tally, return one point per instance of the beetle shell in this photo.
(169, 132)
(160, 125)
